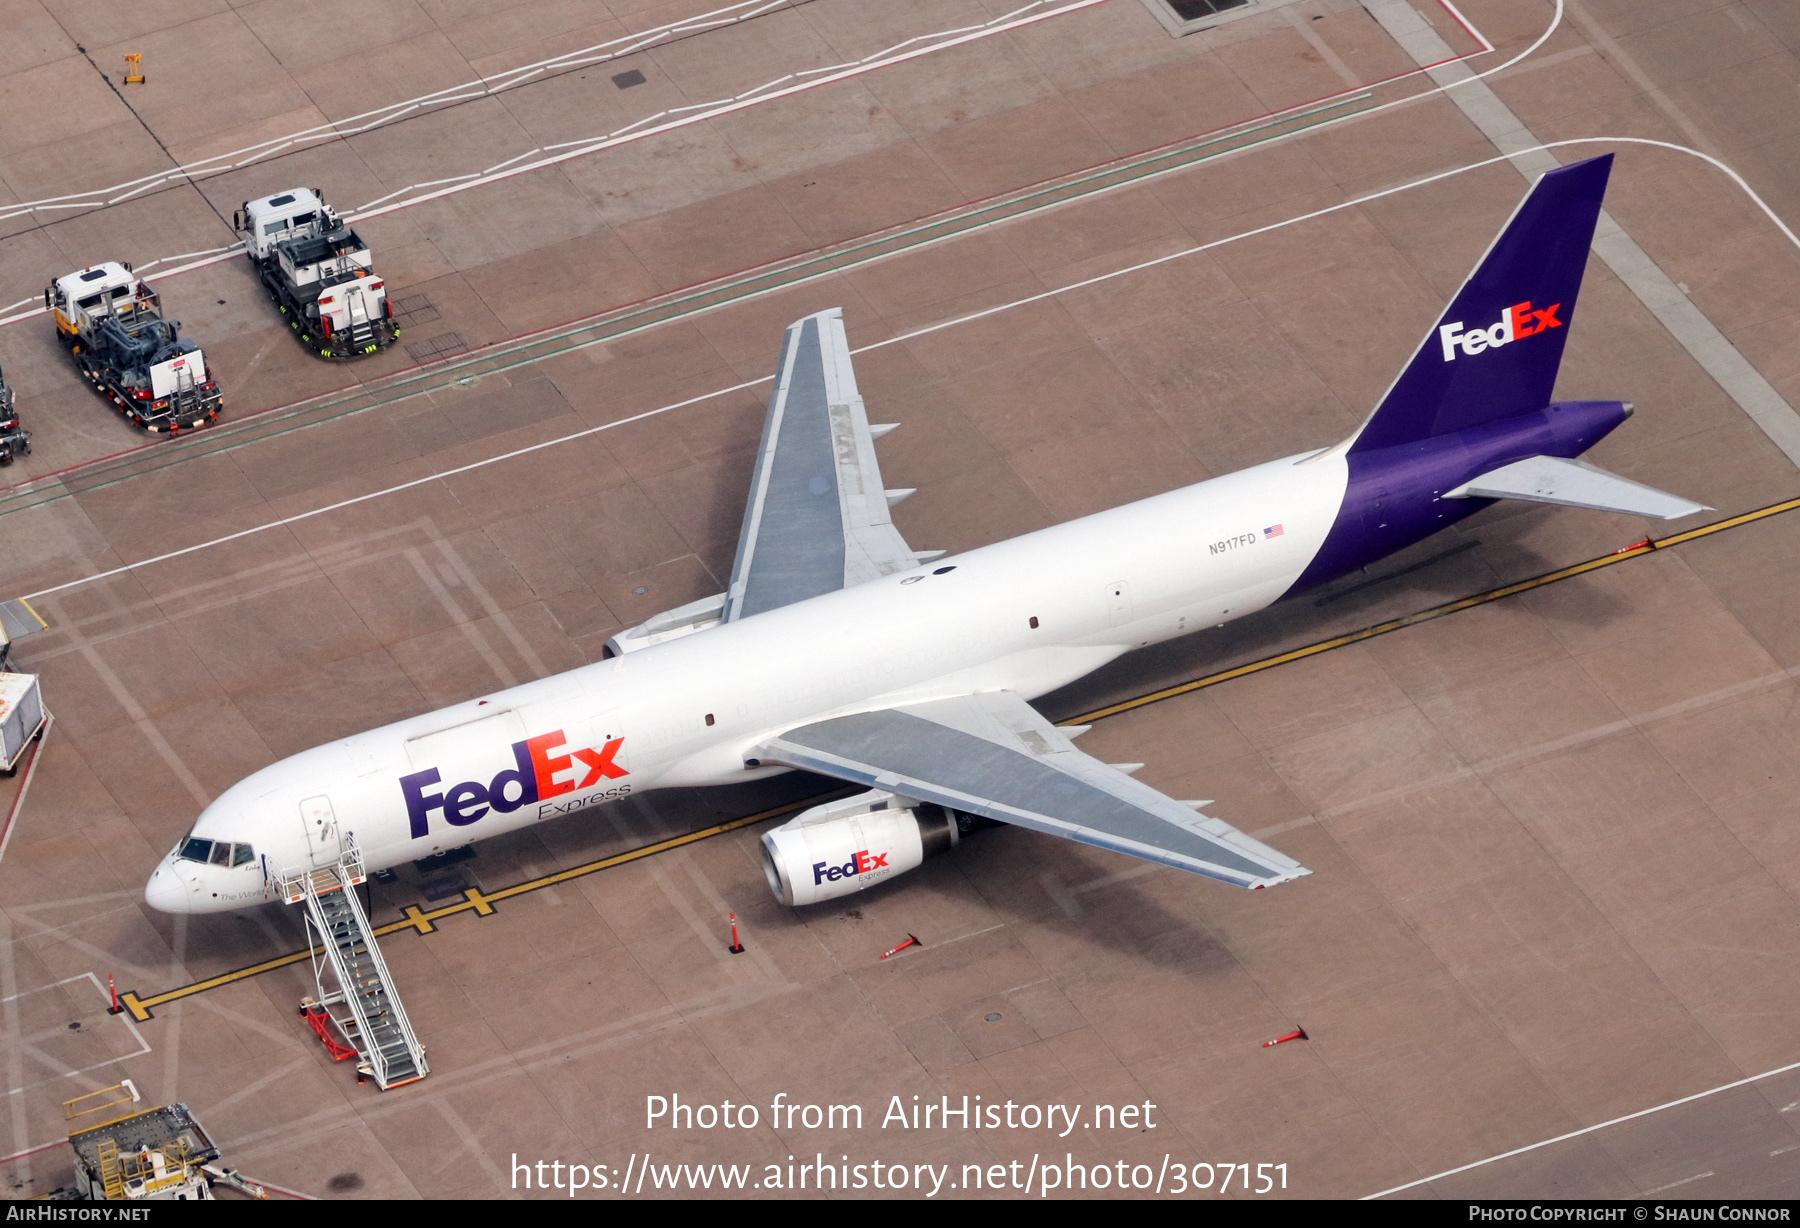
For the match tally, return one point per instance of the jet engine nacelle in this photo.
(847, 845)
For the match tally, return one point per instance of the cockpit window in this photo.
(215, 852)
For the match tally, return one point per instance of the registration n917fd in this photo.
(839, 649)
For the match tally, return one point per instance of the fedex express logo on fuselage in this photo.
(1517, 321)
(532, 780)
(861, 862)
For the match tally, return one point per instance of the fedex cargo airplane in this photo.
(839, 649)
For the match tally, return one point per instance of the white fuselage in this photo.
(1027, 615)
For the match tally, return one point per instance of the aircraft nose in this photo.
(167, 891)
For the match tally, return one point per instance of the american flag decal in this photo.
(1272, 531)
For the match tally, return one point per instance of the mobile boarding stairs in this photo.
(363, 1005)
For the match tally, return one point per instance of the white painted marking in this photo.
(1686, 323)
(1306, 820)
(1696, 1177)
(31, 1151)
(705, 920)
(125, 1018)
(460, 619)
(18, 803)
(495, 83)
(1585, 1130)
(500, 617)
(671, 119)
(944, 942)
(470, 1142)
(146, 725)
(910, 336)
(1615, 55)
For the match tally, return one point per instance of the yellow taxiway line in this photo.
(482, 903)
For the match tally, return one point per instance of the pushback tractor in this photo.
(111, 321)
(319, 272)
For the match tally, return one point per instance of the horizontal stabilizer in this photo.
(1573, 483)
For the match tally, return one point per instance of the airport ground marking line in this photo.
(481, 902)
(485, 86)
(211, 256)
(31, 1151)
(463, 182)
(18, 802)
(950, 225)
(999, 25)
(781, 267)
(474, 900)
(779, 273)
(1563, 1138)
(702, 112)
(1339, 207)
(1000, 199)
(1658, 292)
(1555, 23)
(1648, 546)
(130, 1026)
(909, 336)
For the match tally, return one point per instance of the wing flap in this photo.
(1573, 483)
(817, 516)
(996, 756)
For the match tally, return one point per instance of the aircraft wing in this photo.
(1574, 483)
(817, 518)
(996, 756)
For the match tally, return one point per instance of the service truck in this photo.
(319, 272)
(15, 440)
(21, 718)
(111, 321)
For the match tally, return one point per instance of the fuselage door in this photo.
(320, 821)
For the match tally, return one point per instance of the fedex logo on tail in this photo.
(860, 862)
(1517, 321)
(533, 779)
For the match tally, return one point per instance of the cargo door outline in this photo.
(590, 738)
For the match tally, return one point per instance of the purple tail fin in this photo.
(1495, 350)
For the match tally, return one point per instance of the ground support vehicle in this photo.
(15, 440)
(21, 718)
(319, 272)
(111, 321)
(124, 1153)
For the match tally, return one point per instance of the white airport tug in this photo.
(319, 272)
(111, 322)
